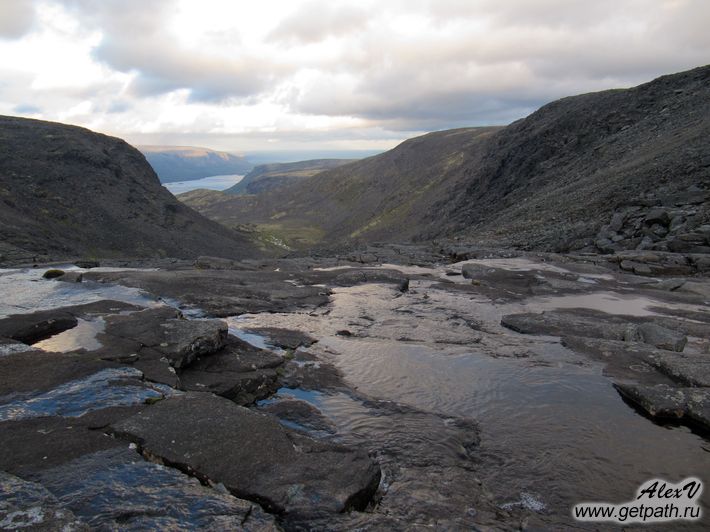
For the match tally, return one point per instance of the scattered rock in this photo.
(87, 264)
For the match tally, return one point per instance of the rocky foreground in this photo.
(239, 395)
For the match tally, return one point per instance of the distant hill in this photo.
(270, 176)
(184, 163)
(68, 192)
(552, 181)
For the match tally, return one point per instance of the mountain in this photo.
(552, 181)
(269, 176)
(66, 192)
(184, 163)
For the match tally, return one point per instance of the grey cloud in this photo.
(16, 18)
(317, 20)
(134, 40)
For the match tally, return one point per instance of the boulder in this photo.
(253, 455)
(669, 402)
(71, 277)
(657, 216)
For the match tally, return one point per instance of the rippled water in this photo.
(554, 431)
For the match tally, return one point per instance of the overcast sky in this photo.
(326, 74)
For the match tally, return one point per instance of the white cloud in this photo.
(238, 75)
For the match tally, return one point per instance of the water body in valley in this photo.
(215, 182)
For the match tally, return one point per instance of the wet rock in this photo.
(35, 326)
(9, 346)
(87, 264)
(34, 371)
(222, 293)
(117, 490)
(300, 413)
(239, 371)
(664, 402)
(27, 505)
(285, 338)
(52, 274)
(179, 340)
(31, 328)
(108, 387)
(29, 446)
(355, 277)
(661, 337)
(253, 455)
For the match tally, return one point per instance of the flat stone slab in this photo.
(663, 333)
(239, 371)
(161, 329)
(117, 490)
(253, 455)
(27, 505)
(663, 401)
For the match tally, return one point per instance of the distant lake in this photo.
(214, 182)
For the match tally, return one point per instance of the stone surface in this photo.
(117, 490)
(27, 505)
(663, 401)
(282, 470)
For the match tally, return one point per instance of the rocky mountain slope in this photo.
(66, 192)
(183, 163)
(555, 180)
(270, 176)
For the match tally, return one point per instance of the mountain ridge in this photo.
(547, 182)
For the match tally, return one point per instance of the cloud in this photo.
(317, 20)
(296, 72)
(16, 18)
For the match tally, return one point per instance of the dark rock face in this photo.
(282, 470)
(47, 170)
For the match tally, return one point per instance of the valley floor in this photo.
(398, 388)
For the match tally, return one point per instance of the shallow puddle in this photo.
(83, 336)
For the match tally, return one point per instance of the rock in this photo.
(159, 329)
(604, 245)
(285, 338)
(657, 216)
(302, 414)
(87, 264)
(117, 490)
(663, 401)
(185, 340)
(52, 274)
(617, 222)
(29, 506)
(31, 328)
(661, 337)
(284, 471)
(354, 277)
(240, 372)
(110, 387)
(71, 277)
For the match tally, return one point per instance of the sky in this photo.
(267, 75)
